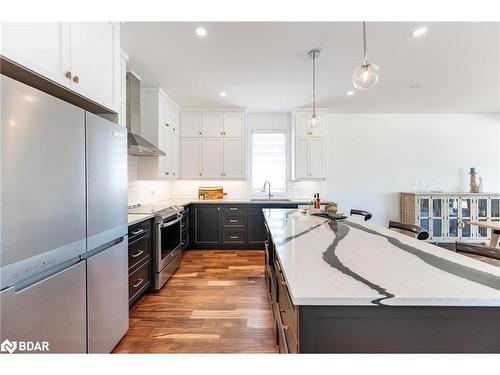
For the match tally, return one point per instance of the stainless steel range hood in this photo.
(137, 145)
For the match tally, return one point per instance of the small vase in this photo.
(480, 186)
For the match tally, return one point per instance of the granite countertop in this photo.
(137, 218)
(353, 262)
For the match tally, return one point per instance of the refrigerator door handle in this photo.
(102, 248)
(27, 283)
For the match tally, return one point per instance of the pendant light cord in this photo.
(365, 55)
(314, 83)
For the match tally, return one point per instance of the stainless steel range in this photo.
(167, 240)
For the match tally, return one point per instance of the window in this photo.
(269, 160)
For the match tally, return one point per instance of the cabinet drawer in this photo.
(139, 229)
(139, 281)
(287, 309)
(230, 208)
(234, 236)
(138, 250)
(271, 283)
(234, 220)
(281, 339)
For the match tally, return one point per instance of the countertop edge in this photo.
(139, 218)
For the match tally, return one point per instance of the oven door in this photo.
(169, 242)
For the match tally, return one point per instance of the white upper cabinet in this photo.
(221, 153)
(301, 158)
(39, 46)
(94, 51)
(234, 158)
(303, 127)
(308, 147)
(316, 158)
(156, 129)
(83, 57)
(234, 125)
(191, 125)
(212, 158)
(212, 125)
(190, 158)
(168, 114)
(123, 89)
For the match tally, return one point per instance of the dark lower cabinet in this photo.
(228, 226)
(206, 224)
(140, 247)
(256, 228)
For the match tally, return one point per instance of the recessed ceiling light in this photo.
(200, 31)
(419, 32)
(223, 93)
(350, 93)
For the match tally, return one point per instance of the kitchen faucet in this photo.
(269, 195)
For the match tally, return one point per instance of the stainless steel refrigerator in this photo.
(63, 236)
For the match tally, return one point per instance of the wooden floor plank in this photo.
(216, 302)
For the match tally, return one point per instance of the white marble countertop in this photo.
(353, 262)
(137, 218)
(159, 205)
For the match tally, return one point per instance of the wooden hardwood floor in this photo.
(216, 302)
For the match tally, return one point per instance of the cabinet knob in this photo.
(76, 79)
(167, 173)
(167, 125)
(199, 133)
(173, 173)
(200, 173)
(68, 74)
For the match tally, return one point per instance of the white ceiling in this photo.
(264, 67)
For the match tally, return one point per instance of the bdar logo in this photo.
(8, 346)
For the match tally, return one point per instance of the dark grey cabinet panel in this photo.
(206, 224)
(140, 248)
(234, 220)
(235, 236)
(256, 228)
(226, 225)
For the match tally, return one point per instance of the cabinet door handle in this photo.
(233, 237)
(138, 283)
(68, 74)
(138, 231)
(233, 208)
(167, 125)
(76, 79)
(233, 221)
(283, 326)
(140, 252)
(167, 173)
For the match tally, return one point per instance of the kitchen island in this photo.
(352, 286)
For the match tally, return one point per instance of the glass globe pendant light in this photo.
(366, 75)
(313, 122)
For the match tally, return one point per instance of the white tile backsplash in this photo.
(144, 191)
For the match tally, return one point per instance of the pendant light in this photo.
(366, 75)
(313, 54)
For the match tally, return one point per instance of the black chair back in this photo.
(482, 250)
(364, 213)
(421, 233)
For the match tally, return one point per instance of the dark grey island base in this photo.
(375, 328)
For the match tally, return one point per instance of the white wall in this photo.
(373, 157)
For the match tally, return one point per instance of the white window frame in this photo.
(260, 194)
